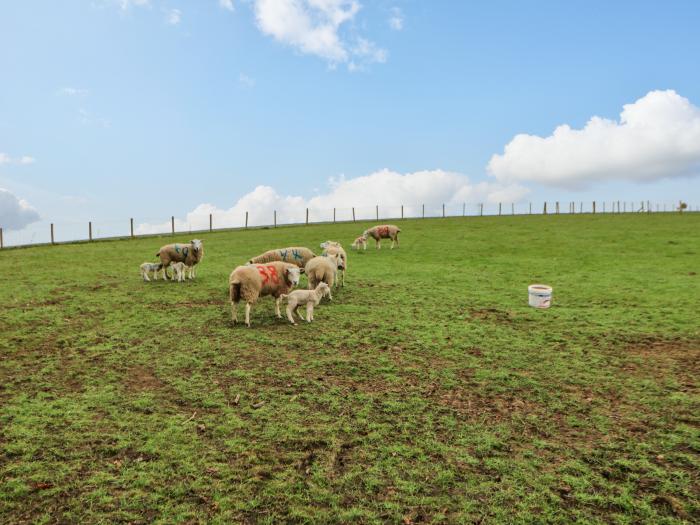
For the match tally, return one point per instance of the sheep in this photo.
(148, 267)
(191, 254)
(296, 255)
(334, 248)
(254, 280)
(310, 298)
(385, 231)
(322, 269)
(179, 269)
(361, 241)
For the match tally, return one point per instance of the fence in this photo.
(74, 231)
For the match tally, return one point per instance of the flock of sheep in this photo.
(275, 272)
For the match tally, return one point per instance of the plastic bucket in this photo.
(540, 295)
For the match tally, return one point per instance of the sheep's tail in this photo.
(235, 291)
(158, 254)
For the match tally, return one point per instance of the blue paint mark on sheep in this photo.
(185, 251)
(283, 254)
(297, 255)
(177, 249)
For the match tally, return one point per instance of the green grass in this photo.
(427, 391)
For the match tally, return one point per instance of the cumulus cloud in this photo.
(173, 17)
(314, 27)
(226, 4)
(15, 213)
(126, 4)
(656, 137)
(396, 19)
(387, 188)
(23, 160)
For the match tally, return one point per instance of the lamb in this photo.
(296, 255)
(361, 241)
(310, 298)
(334, 248)
(322, 269)
(191, 254)
(254, 280)
(148, 267)
(179, 269)
(385, 231)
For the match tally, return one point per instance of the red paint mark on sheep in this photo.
(383, 231)
(268, 273)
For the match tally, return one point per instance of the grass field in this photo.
(427, 391)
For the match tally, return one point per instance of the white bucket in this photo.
(540, 295)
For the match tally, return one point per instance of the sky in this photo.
(111, 109)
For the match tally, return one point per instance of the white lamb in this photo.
(147, 268)
(179, 270)
(310, 298)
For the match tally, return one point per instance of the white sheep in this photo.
(190, 253)
(322, 269)
(335, 248)
(361, 241)
(384, 231)
(255, 280)
(147, 268)
(179, 269)
(310, 298)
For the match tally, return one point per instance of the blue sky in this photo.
(147, 108)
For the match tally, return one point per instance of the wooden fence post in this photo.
(594, 207)
(512, 208)
(246, 220)
(211, 223)
(131, 225)
(1, 242)
(581, 207)
(275, 218)
(424, 211)
(307, 216)
(377, 208)
(443, 211)
(624, 207)
(648, 207)
(530, 208)
(172, 224)
(557, 208)
(464, 209)
(499, 208)
(52, 240)
(90, 230)
(481, 209)
(353, 214)
(333, 214)
(544, 210)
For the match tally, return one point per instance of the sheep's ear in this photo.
(302, 270)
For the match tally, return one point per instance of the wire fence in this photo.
(78, 231)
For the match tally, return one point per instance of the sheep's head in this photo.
(330, 243)
(293, 275)
(196, 245)
(324, 288)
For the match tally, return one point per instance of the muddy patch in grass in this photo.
(139, 379)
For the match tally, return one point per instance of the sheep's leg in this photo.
(309, 312)
(296, 311)
(392, 244)
(145, 276)
(234, 312)
(289, 314)
(247, 314)
(277, 307)
(155, 275)
(379, 244)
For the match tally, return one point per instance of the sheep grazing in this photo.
(147, 268)
(322, 269)
(361, 241)
(334, 248)
(296, 255)
(190, 254)
(179, 269)
(385, 231)
(255, 280)
(310, 298)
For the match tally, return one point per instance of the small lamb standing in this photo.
(147, 268)
(385, 231)
(310, 298)
(179, 269)
(191, 254)
(334, 248)
(252, 281)
(296, 255)
(322, 269)
(360, 242)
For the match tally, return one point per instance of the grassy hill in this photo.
(427, 391)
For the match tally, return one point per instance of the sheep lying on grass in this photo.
(322, 269)
(385, 231)
(310, 298)
(252, 281)
(296, 255)
(334, 248)
(178, 271)
(147, 268)
(360, 242)
(190, 254)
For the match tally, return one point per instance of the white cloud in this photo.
(173, 17)
(246, 81)
(656, 137)
(15, 213)
(226, 4)
(87, 118)
(387, 188)
(396, 19)
(314, 27)
(126, 4)
(23, 160)
(73, 92)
